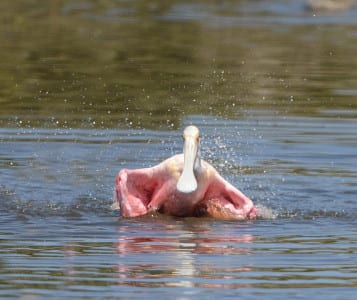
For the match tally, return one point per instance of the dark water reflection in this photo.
(89, 87)
(107, 64)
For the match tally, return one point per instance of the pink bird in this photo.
(183, 185)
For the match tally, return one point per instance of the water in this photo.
(59, 238)
(280, 124)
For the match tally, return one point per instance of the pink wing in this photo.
(224, 201)
(133, 191)
(138, 191)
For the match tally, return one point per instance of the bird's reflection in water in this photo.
(183, 254)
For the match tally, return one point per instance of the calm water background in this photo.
(89, 87)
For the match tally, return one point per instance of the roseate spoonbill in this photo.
(183, 185)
